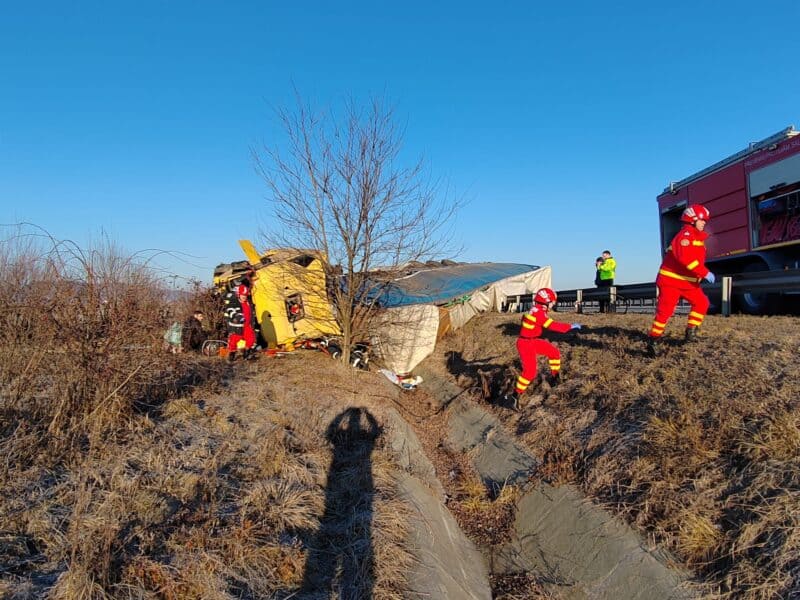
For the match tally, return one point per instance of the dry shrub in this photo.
(78, 334)
(766, 540)
(145, 578)
(680, 440)
(773, 437)
(473, 494)
(699, 537)
(76, 583)
(393, 560)
(509, 494)
(80, 337)
(285, 505)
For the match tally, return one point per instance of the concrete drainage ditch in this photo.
(579, 549)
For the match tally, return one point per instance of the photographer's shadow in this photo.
(341, 557)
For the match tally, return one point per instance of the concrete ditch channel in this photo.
(580, 550)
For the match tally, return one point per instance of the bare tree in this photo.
(338, 187)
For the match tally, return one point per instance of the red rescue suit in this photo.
(679, 277)
(239, 320)
(530, 345)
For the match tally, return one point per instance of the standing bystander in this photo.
(606, 270)
(597, 262)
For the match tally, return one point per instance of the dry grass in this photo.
(473, 495)
(134, 474)
(519, 586)
(698, 448)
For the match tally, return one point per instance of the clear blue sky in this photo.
(559, 122)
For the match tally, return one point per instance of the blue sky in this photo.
(559, 123)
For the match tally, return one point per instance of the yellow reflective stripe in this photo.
(695, 322)
(547, 323)
(527, 325)
(521, 379)
(659, 323)
(555, 368)
(666, 273)
(692, 264)
(554, 361)
(694, 313)
(696, 243)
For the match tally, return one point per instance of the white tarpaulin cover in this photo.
(494, 296)
(407, 334)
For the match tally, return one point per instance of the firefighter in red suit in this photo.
(530, 345)
(239, 319)
(680, 275)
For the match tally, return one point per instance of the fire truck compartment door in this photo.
(774, 176)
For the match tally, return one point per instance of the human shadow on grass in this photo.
(341, 557)
(489, 380)
(511, 328)
(606, 337)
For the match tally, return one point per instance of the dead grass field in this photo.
(247, 488)
(131, 473)
(699, 448)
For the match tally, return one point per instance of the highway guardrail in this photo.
(640, 294)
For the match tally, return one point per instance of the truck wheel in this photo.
(755, 303)
(334, 351)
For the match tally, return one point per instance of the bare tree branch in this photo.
(339, 188)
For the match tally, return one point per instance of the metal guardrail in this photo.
(768, 281)
(640, 294)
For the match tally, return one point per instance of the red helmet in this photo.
(242, 290)
(694, 212)
(545, 296)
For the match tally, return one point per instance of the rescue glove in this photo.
(710, 277)
(575, 326)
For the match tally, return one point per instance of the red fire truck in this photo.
(754, 199)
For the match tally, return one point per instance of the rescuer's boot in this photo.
(652, 346)
(554, 379)
(511, 400)
(690, 335)
(231, 355)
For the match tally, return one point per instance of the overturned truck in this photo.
(291, 298)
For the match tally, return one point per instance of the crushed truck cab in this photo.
(289, 292)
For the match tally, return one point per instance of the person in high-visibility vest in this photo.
(680, 275)
(530, 346)
(606, 270)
